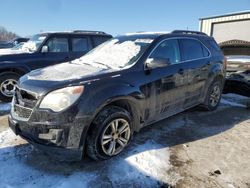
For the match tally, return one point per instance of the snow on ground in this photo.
(4, 107)
(144, 165)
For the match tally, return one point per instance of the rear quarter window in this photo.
(100, 39)
(213, 44)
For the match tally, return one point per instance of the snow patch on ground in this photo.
(5, 107)
(150, 162)
(143, 165)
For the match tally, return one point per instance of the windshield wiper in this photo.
(103, 64)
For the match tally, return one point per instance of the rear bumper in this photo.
(59, 151)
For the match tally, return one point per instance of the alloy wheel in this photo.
(215, 96)
(115, 137)
(7, 87)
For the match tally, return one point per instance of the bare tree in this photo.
(6, 35)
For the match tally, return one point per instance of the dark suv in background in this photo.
(95, 103)
(43, 50)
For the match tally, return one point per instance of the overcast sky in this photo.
(27, 17)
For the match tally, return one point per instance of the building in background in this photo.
(231, 31)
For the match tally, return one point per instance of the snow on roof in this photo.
(149, 33)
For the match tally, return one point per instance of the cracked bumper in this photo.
(67, 147)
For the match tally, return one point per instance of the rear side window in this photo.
(168, 49)
(193, 49)
(99, 40)
(80, 44)
(58, 45)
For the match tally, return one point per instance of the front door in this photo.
(168, 85)
(58, 52)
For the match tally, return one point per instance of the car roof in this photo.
(176, 33)
(76, 32)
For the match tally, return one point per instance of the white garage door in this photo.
(231, 30)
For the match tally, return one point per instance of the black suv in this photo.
(97, 102)
(43, 50)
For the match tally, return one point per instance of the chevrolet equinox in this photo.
(95, 103)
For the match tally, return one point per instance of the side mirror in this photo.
(45, 49)
(152, 63)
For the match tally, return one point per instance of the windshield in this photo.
(34, 43)
(117, 53)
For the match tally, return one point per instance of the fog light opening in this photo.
(54, 135)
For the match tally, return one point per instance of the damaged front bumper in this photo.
(60, 153)
(61, 135)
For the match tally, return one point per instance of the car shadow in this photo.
(146, 160)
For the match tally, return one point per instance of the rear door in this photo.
(168, 85)
(197, 57)
(80, 45)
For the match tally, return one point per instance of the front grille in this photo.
(22, 112)
(25, 98)
(24, 102)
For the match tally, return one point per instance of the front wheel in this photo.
(8, 82)
(213, 97)
(110, 133)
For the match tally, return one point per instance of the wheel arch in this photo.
(126, 103)
(18, 71)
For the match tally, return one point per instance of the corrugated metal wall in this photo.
(206, 24)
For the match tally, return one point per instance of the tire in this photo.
(8, 80)
(213, 96)
(101, 136)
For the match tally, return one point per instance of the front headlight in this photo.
(61, 99)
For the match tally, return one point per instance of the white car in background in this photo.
(238, 63)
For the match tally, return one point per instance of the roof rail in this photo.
(188, 32)
(86, 31)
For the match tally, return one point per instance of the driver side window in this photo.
(168, 49)
(58, 45)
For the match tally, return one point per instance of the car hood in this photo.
(61, 75)
(11, 51)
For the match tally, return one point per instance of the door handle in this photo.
(181, 71)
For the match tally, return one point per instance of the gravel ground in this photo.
(192, 149)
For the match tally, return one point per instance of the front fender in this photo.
(106, 94)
